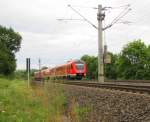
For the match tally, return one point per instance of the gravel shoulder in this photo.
(110, 105)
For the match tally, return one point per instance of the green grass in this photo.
(20, 103)
(17, 103)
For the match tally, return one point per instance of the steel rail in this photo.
(122, 87)
(130, 81)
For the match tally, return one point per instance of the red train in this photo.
(74, 69)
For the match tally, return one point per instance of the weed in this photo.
(78, 113)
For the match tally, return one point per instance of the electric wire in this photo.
(123, 6)
(80, 6)
(82, 16)
(121, 15)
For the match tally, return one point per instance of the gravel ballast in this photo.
(110, 105)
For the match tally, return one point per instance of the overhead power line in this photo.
(82, 16)
(121, 15)
(80, 6)
(123, 6)
(70, 19)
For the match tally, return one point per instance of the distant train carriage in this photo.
(75, 69)
(42, 74)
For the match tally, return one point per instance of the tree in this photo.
(44, 67)
(11, 39)
(134, 60)
(9, 44)
(91, 66)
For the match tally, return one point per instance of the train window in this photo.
(79, 62)
(80, 66)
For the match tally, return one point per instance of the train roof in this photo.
(43, 70)
(68, 62)
(76, 61)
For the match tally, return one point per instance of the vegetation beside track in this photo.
(132, 63)
(20, 103)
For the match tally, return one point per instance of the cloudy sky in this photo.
(58, 41)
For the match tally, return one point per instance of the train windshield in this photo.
(80, 66)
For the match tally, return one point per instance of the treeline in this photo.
(133, 62)
(10, 42)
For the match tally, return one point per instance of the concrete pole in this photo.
(100, 18)
(39, 67)
(28, 77)
(28, 70)
(39, 64)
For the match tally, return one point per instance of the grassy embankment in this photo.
(20, 103)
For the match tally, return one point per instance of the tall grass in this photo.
(20, 103)
(17, 103)
(53, 101)
(77, 113)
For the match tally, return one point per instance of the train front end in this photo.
(79, 68)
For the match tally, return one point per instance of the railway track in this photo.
(129, 87)
(129, 81)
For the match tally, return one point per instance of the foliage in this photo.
(133, 62)
(19, 104)
(81, 112)
(9, 44)
(56, 101)
(22, 74)
(11, 39)
(7, 62)
(44, 67)
(91, 65)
